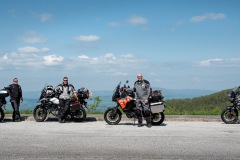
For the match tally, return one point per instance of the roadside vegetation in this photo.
(205, 105)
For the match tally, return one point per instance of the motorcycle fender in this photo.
(115, 110)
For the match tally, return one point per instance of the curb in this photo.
(99, 117)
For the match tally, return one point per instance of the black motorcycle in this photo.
(3, 95)
(49, 104)
(124, 98)
(230, 114)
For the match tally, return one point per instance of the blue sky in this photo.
(187, 44)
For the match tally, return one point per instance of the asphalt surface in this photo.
(98, 140)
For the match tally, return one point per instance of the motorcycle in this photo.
(3, 94)
(229, 115)
(125, 100)
(49, 104)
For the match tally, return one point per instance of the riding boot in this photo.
(149, 123)
(140, 122)
(13, 116)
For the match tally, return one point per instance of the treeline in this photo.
(205, 105)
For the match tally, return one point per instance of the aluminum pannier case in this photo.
(4, 93)
(157, 107)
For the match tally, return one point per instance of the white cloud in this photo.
(208, 62)
(218, 62)
(45, 17)
(120, 74)
(89, 38)
(208, 16)
(83, 57)
(31, 50)
(137, 20)
(32, 37)
(114, 24)
(28, 58)
(109, 63)
(52, 59)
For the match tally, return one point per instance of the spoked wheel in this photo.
(79, 115)
(158, 118)
(2, 115)
(39, 113)
(229, 116)
(112, 119)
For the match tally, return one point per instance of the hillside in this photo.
(205, 105)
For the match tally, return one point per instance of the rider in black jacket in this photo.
(15, 98)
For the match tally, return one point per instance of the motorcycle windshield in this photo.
(44, 91)
(116, 93)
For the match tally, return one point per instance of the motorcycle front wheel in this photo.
(79, 115)
(158, 118)
(229, 116)
(2, 115)
(39, 114)
(112, 120)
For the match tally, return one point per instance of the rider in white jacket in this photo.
(64, 99)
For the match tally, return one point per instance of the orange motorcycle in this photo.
(126, 103)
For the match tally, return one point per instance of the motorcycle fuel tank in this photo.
(54, 100)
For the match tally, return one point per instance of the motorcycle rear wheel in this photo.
(79, 115)
(112, 120)
(228, 116)
(2, 115)
(39, 114)
(158, 118)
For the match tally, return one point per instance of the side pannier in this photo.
(4, 93)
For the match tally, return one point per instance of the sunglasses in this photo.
(65, 80)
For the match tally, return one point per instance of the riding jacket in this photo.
(15, 92)
(142, 89)
(64, 90)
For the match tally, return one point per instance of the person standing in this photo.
(15, 92)
(143, 89)
(65, 90)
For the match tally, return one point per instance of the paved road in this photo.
(97, 140)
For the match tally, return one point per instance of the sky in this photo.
(175, 44)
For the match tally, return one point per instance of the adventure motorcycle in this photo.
(3, 95)
(50, 105)
(124, 97)
(230, 114)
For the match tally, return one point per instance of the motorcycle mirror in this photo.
(127, 81)
(128, 86)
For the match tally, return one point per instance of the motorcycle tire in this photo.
(112, 120)
(2, 115)
(79, 115)
(158, 118)
(39, 114)
(228, 116)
